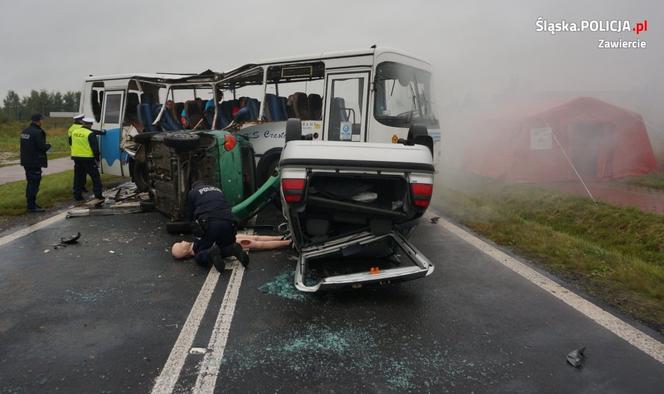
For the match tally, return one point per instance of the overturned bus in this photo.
(372, 95)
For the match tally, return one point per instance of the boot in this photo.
(240, 254)
(217, 260)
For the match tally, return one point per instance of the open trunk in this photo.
(343, 211)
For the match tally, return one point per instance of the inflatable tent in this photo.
(601, 141)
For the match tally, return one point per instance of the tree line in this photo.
(19, 108)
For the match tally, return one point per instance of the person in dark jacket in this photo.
(33, 159)
(208, 208)
(85, 153)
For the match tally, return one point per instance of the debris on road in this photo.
(577, 357)
(64, 241)
(120, 200)
(434, 220)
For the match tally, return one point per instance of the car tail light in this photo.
(421, 194)
(293, 189)
(229, 142)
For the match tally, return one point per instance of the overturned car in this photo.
(350, 207)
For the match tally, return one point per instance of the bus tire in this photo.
(182, 141)
(144, 138)
(141, 176)
(293, 129)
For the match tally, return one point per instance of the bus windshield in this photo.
(403, 96)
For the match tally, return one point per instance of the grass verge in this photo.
(613, 253)
(54, 189)
(10, 141)
(653, 180)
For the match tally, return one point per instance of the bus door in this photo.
(346, 107)
(109, 144)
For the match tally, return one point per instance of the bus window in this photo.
(403, 96)
(97, 97)
(294, 91)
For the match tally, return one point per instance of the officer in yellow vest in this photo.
(85, 153)
(78, 122)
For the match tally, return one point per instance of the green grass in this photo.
(654, 180)
(56, 135)
(54, 189)
(616, 254)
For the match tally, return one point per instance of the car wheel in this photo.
(144, 138)
(141, 177)
(182, 141)
(293, 129)
(267, 165)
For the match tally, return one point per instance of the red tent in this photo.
(601, 140)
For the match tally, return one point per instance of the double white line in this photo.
(209, 366)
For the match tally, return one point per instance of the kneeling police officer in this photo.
(214, 224)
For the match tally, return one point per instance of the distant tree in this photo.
(11, 105)
(71, 101)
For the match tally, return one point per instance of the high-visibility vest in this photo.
(72, 128)
(80, 146)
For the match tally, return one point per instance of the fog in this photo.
(485, 54)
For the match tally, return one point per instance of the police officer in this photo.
(85, 153)
(33, 159)
(208, 208)
(78, 123)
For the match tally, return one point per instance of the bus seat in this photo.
(275, 110)
(227, 108)
(222, 118)
(167, 121)
(243, 115)
(145, 116)
(254, 108)
(194, 112)
(298, 102)
(315, 102)
(337, 115)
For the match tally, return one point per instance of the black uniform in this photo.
(208, 207)
(33, 159)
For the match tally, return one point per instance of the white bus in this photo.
(372, 95)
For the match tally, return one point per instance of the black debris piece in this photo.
(64, 241)
(434, 220)
(576, 357)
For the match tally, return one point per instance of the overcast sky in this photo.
(477, 48)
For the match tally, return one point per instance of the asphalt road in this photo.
(104, 315)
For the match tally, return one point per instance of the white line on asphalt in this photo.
(209, 367)
(629, 333)
(168, 377)
(30, 229)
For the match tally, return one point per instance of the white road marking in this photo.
(629, 333)
(171, 372)
(208, 370)
(31, 229)
(209, 367)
